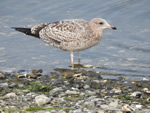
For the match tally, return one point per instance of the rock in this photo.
(128, 108)
(88, 92)
(114, 103)
(41, 111)
(95, 84)
(20, 75)
(68, 92)
(145, 79)
(100, 111)
(31, 95)
(138, 106)
(148, 99)
(104, 106)
(88, 66)
(57, 89)
(10, 95)
(119, 111)
(114, 90)
(61, 111)
(79, 76)
(86, 86)
(20, 85)
(4, 85)
(53, 111)
(26, 91)
(12, 85)
(41, 100)
(34, 76)
(37, 71)
(2, 76)
(136, 94)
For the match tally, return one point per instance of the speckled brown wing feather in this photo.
(63, 31)
(37, 28)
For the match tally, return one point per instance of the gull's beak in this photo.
(112, 27)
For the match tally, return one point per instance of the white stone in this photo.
(145, 89)
(100, 111)
(138, 106)
(134, 94)
(145, 79)
(104, 106)
(86, 86)
(68, 92)
(33, 95)
(4, 85)
(116, 90)
(41, 100)
(114, 103)
(10, 95)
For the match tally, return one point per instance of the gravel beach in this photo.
(71, 91)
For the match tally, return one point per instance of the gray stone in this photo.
(57, 89)
(42, 111)
(61, 111)
(20, 85)
(12, 85)
(86, 86)
(90, 92)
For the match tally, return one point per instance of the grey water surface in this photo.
(124, 52)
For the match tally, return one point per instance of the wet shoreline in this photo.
(71, 91)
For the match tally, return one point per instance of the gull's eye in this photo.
(101, 23)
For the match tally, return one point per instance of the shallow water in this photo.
(124, 52)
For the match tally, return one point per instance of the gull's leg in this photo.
(71, 55)
(78, 57)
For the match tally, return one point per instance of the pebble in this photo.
(86, 92)
(138, 106)
(20, 85)
(68, 92)
(104, 106)
(100, 111)
(10, 95)
(2, 76)
(4, 85)
(41, 100)
(137, 94)
(86, 86)
(114, 103)
(128, 108)
(13, 85)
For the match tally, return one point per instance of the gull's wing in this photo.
(63, 31)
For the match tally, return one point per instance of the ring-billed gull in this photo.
(69, 35)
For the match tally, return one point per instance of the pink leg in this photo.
(78, 57)
(72, 62)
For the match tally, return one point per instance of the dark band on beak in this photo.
(113, 27)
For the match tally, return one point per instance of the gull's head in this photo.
(101, 24)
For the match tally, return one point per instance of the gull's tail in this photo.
(26, 31)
